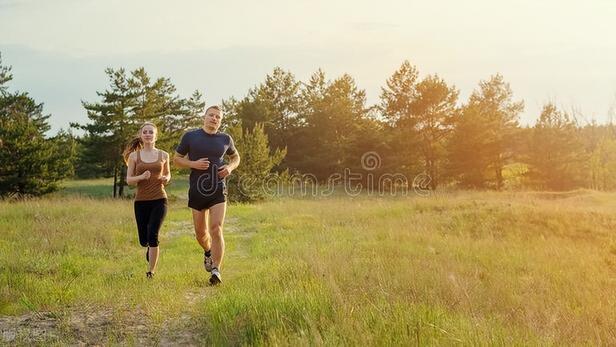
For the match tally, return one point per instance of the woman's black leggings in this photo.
(150, 215)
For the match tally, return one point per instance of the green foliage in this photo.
(247, 183)
(132, 100)
(275, 104)
(603, 165)
(435, 110)
(30, 163)
(322, 123)
(5, 75)
(469, 162)
(398, 96)
(555, 152)
(396, 107)
(335, 117)
(484, 139)
(325, 127)
(422, 114)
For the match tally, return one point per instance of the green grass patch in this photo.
(466, 268)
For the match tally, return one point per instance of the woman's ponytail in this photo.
(134, 145)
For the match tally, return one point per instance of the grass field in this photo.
(456, 268)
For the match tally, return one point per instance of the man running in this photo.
(202, 150)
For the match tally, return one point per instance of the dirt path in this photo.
(93, 328)
(85, 325)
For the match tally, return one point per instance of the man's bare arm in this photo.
(234, 162)
(183, 161)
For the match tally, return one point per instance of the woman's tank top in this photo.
(152, 188)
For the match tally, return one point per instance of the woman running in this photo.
(148, 168)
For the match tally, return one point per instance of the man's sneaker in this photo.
(208, 262)
(149, 275)
(216, 277)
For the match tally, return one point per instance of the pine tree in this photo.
(397, 99)
(433, 110)
(399, 94)
(468, 158)
(130, 101)
(247, 182)
(275, 104)
(111, 126)
(334, 114)
(487, 132)
(157, 102)
(30, 163)
(555, 152)
(602, 165)
(5, 76)
(279, 95)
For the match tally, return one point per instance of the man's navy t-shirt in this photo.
(199, 144)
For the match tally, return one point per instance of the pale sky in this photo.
(560, 51)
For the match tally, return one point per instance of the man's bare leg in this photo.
(216, 219)
(200, 222)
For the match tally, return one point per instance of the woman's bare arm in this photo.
(131, 179)
(166, 176)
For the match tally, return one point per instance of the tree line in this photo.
(420, 126)
(319, 127)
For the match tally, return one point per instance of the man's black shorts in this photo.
(200, 199)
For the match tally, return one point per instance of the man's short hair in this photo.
(215, 107)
